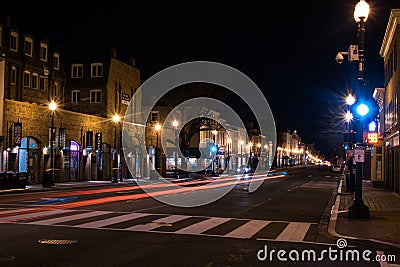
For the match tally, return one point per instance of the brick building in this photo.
(87, 92)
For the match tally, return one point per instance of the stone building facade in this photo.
(389, 105)
(86, 141)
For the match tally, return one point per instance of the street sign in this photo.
(359, 155)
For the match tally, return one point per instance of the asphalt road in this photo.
(119, 225)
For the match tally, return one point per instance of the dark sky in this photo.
(286, 47)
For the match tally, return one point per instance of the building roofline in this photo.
(394, 20)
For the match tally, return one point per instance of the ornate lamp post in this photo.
(157, 127)
(358, 209)
(116, 119)
(175, 124)
(52, 107)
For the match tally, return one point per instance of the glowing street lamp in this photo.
(53, 108)
(175, 124)
(116, 119)
(157, 127)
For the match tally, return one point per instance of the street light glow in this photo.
(175, 123)
(157, 127)
(350, 100)
(116, 118)
(361, 11)
(52, 105)
(348, 116)
(362, 110)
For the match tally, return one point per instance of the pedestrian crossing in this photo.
(166, 223)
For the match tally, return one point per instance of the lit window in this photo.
(76, 96)
(56, 61)
(43, 52)
(13, 75)
(95, 96)
(97, 70)
(27, 79)
(77, 71)
(14, 41)
(34, 81)
(28, 46)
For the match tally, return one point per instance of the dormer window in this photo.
(28, 44)
(14, 41)
(43, 52)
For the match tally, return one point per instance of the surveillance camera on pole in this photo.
(352, 55)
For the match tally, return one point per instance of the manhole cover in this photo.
(159, 224)
(6, 258)
(57, 241)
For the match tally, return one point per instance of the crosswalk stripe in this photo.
(202, 226)
(30, 215)
(113, 220)
(248, 229)
(61, 220)
(295, 231)
(157, 223)
(16, 210)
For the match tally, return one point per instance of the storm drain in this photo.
(57, 241)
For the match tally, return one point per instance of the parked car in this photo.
(336, 168)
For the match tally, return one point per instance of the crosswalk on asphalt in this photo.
(164, 223)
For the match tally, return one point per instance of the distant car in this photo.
(244, 169)
(336, 168)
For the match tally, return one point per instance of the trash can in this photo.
(47, 180)
(22, 179)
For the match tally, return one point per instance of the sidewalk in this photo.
(381, 230)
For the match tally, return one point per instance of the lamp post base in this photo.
(358, 211)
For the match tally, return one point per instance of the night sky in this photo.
(286, 47)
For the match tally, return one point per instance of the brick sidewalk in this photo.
(384, 222)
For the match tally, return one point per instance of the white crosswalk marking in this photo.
(113, 220)
(30, 215)
(157, 223)
(248, 229)
(202, 226)
(295, 231)
(64, 219)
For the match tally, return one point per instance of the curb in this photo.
(371, 243)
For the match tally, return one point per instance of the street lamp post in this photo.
(175, 124)
(228, 143)
(358, 209)
(214, 132)
(52, 107)
(157, 127)
(116, 118)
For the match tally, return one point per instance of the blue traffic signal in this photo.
(362, 109)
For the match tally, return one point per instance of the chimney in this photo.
(132, 61)
(113, 52)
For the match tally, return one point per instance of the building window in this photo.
(95, 96)
(34, 81)
(76, 96)
(56, 89)
(97, 70)
(43, 52)
(56, 61)
(154, 116)
(42, 84)
(77, 71)
(27, 78)
(28, 46)
(13, 75)
(14, 41)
